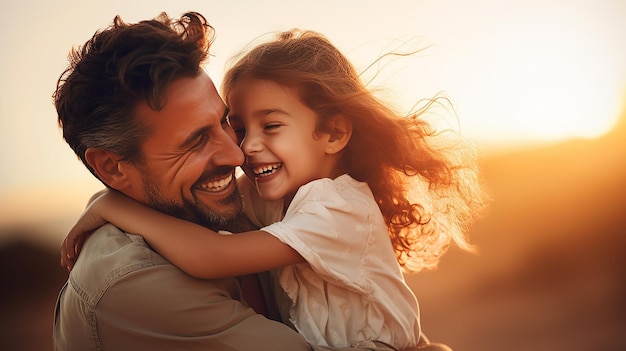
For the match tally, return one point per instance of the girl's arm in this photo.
(196, 250)
(73, 242)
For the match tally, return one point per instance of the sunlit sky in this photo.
(517, 71)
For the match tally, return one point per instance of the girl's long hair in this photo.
(424, 180)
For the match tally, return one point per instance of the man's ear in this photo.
(340, 131)
(108, 166)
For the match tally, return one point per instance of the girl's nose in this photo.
(251, 145)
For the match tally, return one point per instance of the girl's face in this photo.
(277, 134)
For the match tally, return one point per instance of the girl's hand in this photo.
(89, 220)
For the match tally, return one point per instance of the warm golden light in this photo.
(539, 78)
(550, 269)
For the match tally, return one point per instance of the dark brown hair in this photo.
(119, 67)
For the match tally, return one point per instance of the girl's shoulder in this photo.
(343, 186)
(343, 192)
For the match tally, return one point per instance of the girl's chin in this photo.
(274, 195)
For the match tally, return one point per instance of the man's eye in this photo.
(201, 141)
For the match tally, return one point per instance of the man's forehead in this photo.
(191, 103)
(185, 86)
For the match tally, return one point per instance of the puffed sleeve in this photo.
(330, 223)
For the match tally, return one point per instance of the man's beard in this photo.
(193, 211)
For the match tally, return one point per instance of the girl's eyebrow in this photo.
(265, 112)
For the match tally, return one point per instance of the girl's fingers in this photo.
(67, 255)
(70, 249)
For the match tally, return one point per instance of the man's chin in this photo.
(213, 212)
(218, 215)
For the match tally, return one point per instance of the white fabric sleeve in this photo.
(330, 226)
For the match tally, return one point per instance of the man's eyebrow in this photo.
(196, 134)
(193, 137)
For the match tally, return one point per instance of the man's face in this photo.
(190, 155)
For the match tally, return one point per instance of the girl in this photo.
(362, 192)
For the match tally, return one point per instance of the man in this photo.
(137, 108)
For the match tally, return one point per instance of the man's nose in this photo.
(229, 153)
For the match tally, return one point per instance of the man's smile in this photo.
(217, 184)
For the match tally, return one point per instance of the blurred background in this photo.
(539, 86)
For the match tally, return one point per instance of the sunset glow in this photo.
(545, 81)
(517, 72)
(539, 86)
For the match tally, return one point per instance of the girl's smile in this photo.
(265, 173)
(266, 170)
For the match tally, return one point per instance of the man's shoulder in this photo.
(110, 247)
(126, 293)
(115, 262)
(109, 254)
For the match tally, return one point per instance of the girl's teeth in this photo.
(266, 170)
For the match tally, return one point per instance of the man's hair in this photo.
(118, 68)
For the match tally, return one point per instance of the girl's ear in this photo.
(340, 132)
(108, 166)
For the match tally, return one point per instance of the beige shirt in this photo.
(121, 295)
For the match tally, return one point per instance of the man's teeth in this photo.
(217, 185)
(266, 170)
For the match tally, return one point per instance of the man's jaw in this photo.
(217, 201)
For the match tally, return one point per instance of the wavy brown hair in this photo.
(119, 67)
(424, 180)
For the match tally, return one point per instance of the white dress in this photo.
(351, 289)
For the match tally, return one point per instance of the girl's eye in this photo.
(272, 126)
